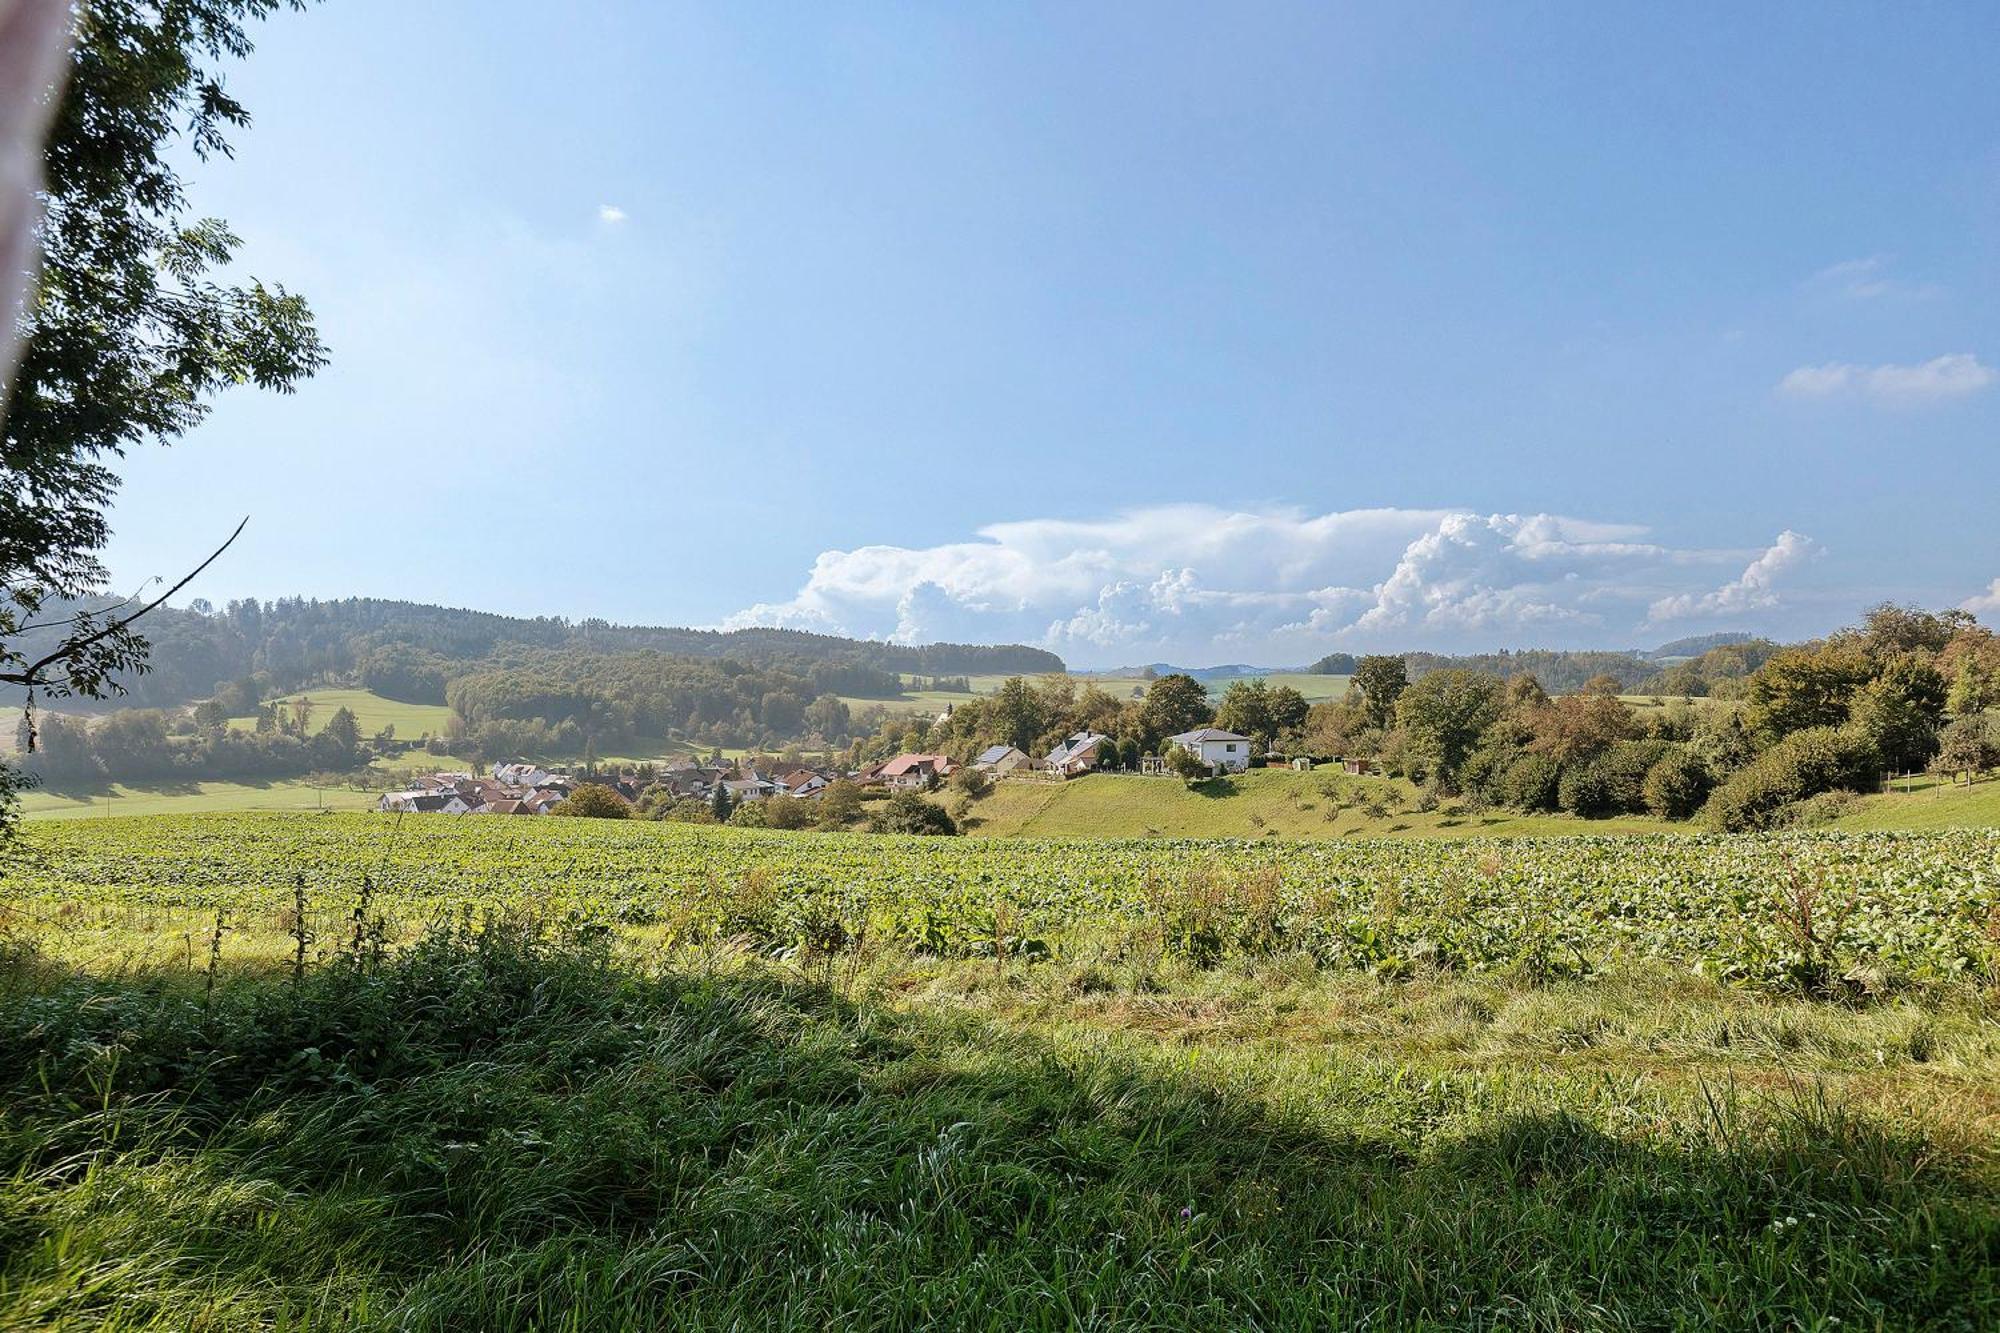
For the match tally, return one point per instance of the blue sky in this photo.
(1147, 331)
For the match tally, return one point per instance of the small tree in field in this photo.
(970, 782)
(592, 801)
(721, 805)
(1186, 764)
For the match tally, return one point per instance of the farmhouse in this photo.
(1079, 754)
(1223, 751)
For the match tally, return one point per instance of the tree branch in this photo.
(30, 675)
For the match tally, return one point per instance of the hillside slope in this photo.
(1261, 803)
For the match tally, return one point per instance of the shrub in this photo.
(1676, 785)
(1482, 770)
(1186, 764)
(908, 812)
(684, 810)
(1805, 763)
(785, 812)
(971, 782)
(1585, 791)
(1530, 783)
(593, 800)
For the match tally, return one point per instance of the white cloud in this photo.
(1984, 604)
(1868, 279)
(1177, 581)
(1755, 589)
(1952, 376)
(611, 214)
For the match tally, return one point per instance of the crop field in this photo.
(1908, 907)
(577, 1074)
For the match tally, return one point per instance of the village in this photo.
(523, 788)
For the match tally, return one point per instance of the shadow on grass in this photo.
(79, 791)
(492, 1130)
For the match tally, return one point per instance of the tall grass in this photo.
(500, 1127)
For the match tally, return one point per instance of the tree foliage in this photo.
(131, 328)
(592, 801)
(1446, 713)
(1380, 681)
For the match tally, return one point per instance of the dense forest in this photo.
(1665, 670)
(410, 651)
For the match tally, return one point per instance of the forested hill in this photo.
(409, 650)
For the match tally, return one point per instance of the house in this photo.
(508, 807)
(801, 783)
(1079, 754)
(1000, 760)
(910, 772)
(521, 775)
(423, 803)
(1358, 767)
(1223, 751)
(748, 789)
(541, 802)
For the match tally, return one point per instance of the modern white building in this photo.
(1223, 751)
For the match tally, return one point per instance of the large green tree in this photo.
(1445, 713)
(131, 327)
(1805, 687)
(1175, 703)
(1901, 710)
(1381, 681)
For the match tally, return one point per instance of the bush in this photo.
(1530, 784)
(1586, 791)
(1676, 786)
(1483, 768)
(786, 812)
(1186, 764)
(1805, 763)
(908, 812)
(593, 801)
(971, 782)
(1613, 783)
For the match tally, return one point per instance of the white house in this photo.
(1223, 751)
(521, 775)
(1079, 754)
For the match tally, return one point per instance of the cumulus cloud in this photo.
(610, 214)
(1181, 581)
(1755, 589)
(1943, 377)
(1984, 604)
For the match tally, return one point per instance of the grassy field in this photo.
(371, 710)
(1927, 803)
(1265, 802)
(559, 1125)
(192, 798)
